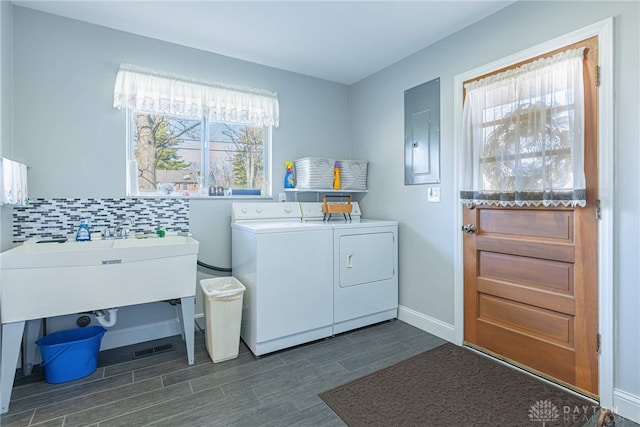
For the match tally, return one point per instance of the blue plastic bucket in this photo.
(71, 354)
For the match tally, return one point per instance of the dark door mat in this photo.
(453, 386)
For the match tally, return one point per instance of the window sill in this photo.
(322, 190)
(195, 197)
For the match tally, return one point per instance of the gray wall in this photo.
(6, 93)
(6, 66)
(426, 229)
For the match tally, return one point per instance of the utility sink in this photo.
(46, 279)
(45, 253)
(50, 279)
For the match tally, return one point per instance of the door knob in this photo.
(469, 228)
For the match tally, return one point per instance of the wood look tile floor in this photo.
(145, 384)
(160, 389)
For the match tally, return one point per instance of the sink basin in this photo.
(35, 246)
(32, 254)
(150, 241)
(136, 250)
(51, 279)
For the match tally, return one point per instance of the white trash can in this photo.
(223, 315)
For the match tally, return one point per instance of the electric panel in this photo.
(422, 134)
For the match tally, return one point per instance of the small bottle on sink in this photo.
(83, 234)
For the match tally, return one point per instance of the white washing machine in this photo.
(365, 268)
(307, 278)
(287, 267)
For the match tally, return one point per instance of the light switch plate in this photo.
(433, 194)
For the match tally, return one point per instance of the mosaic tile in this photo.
(58, 218)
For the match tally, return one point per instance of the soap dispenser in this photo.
(83, 234)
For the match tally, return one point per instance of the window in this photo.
(524, 135)
(179, 155)
(187, 136)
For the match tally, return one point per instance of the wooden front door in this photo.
(530, 275)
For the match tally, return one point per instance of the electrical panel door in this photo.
(422, 134)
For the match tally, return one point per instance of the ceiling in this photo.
(340, 41)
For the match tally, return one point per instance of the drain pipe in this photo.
(111, 313)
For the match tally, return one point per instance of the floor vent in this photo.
(152, 350)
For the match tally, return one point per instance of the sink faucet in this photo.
(119, 231)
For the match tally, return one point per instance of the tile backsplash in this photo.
(56, 218)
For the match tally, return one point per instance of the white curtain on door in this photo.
(157, 92)
(523, 135)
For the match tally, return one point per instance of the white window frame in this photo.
(204, 161)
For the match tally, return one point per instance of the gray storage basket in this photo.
(314, 173)
(353, 174)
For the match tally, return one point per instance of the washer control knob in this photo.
(245, 210)
(287, 209)
(259, 210)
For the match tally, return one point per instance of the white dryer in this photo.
(365, 268)
(365, 280)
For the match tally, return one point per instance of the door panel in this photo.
(559, 362)
(554, 224)
(536, 321)
(538, 273)
(528, 248)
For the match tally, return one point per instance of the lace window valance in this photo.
(523, 135)
(166, 93)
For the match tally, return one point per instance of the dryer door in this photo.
(365, 276)
(366, 258)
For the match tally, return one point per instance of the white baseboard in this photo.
(426, 323)
(142, 333)
(626, 405)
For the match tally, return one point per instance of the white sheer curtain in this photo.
(166, 93)
(13, 179)
(523, 135)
